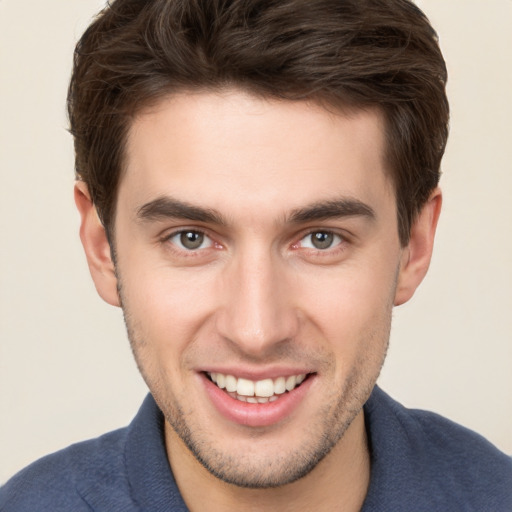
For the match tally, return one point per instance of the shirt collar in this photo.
(151, 480)
(392, 460)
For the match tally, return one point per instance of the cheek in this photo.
(165, 307)
(350, 306)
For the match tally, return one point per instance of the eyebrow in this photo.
(344, 207)
(169, 208)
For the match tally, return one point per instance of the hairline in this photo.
(327, 102)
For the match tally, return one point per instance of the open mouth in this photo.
(256, 392)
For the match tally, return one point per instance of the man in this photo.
(257, 183)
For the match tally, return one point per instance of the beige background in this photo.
(66, 372)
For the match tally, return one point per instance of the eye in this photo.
(320, 240)
(191, 240)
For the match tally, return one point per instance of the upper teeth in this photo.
(261, 388)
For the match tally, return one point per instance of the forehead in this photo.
(236, 152)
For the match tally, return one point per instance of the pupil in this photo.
(191, 239)
(322, 240)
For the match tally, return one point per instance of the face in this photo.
(257, 258)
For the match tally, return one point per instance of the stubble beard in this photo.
(245, 472)
(332, 422)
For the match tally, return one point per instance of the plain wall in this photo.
(66, 371)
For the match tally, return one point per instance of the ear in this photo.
(96, 246)
(418, 252)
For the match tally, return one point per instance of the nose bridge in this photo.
(257, 311)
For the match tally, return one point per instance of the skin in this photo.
(258, 297)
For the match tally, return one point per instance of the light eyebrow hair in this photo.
(344, 207)
(169, 208)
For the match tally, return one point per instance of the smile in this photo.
(261, 391)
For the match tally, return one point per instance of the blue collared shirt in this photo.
(420, 462)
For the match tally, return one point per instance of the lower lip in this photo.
(256, 415)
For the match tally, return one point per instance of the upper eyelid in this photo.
(322, 230)
(178, 249)
(296, 244)
(168, 234)
(343, 234)
(326, 231)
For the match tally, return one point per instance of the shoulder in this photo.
(62, 480)
(454, 446)
(437, 459)
(463, 464)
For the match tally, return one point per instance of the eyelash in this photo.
(337, 240)
(338, 244)
(168, 239)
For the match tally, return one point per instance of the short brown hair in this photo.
(348, 53)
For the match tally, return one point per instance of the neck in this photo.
(339, 482)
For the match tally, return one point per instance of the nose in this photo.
(258, 314)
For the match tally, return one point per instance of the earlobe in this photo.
(417, 255)
(96, 246)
